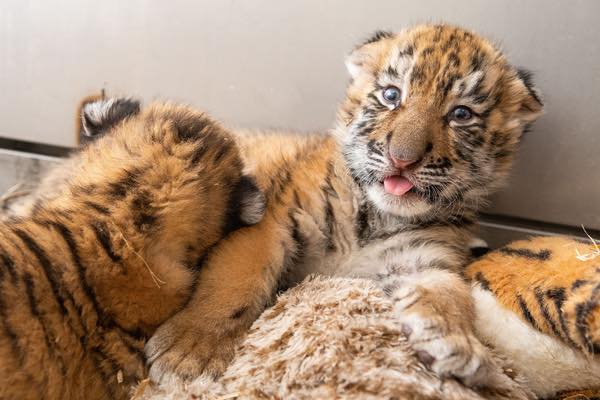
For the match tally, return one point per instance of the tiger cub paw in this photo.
(182, 349)
(441, 338)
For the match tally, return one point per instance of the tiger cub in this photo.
(429, 126)
(89, 273)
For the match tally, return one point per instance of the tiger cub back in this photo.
(89, 274)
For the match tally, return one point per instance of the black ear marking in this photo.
(246, 206)
(362, 53)
(377, 36)
(98, 117)
(478, 248)
(253, 201)
(526, 76)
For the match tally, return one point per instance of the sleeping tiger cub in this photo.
(429, 126)
(88, 273)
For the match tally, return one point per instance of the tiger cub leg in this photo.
(437, 314)
(233, 287)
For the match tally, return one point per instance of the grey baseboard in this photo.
(499, 230)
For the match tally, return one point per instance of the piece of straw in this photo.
(591, 255)
(155, 277)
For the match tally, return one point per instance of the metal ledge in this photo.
(498, 230)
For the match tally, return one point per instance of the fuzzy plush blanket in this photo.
(330, 338)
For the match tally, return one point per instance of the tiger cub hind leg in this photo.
(89, 275)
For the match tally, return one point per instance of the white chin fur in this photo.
(397, 205)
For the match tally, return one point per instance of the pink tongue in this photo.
(397, 185)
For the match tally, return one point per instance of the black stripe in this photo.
(67, 236)
(388, 137)
(408, 51)
(453, 59)
(330, 220)
(300, 242)
(191, 128)
(47, 267)
(293, 254)
(126, 183)
(417, 74)
(329, 224)
(485, 284)
(9, 264)
(480, 99)
(361, 225)
(582, 310)
(425, 241)
(297, 202)
(200, 261)
(144, 217)
(526, 312)
(558, 296)
(101, 209)
(539, 296)
(463, 152)
(427, 51)
(392, 72)
(62, 296)
(445, 88)
(237, 314)
(35, 312)
(578, 283)
(433, 172)
(101, 232)
(364, 127)
(198, 153)
(9, 332)
(477, 61)
(223, 149)
(280, 183)
(104, 320)
(16, 348)
(542, 255)
(373, 147)
(100, 363)
(502, 153)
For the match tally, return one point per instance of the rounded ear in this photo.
(98, 116)
(531, 103)
(364, 52)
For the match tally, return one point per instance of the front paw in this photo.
(183, 349)
(443, 341)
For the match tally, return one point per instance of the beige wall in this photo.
(279, 63)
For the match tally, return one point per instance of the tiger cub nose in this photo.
(403, 164)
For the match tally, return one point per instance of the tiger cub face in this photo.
(432, 118)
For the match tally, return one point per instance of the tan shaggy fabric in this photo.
(329, 338)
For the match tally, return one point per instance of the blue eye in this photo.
(460, 114)
(391, 95)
